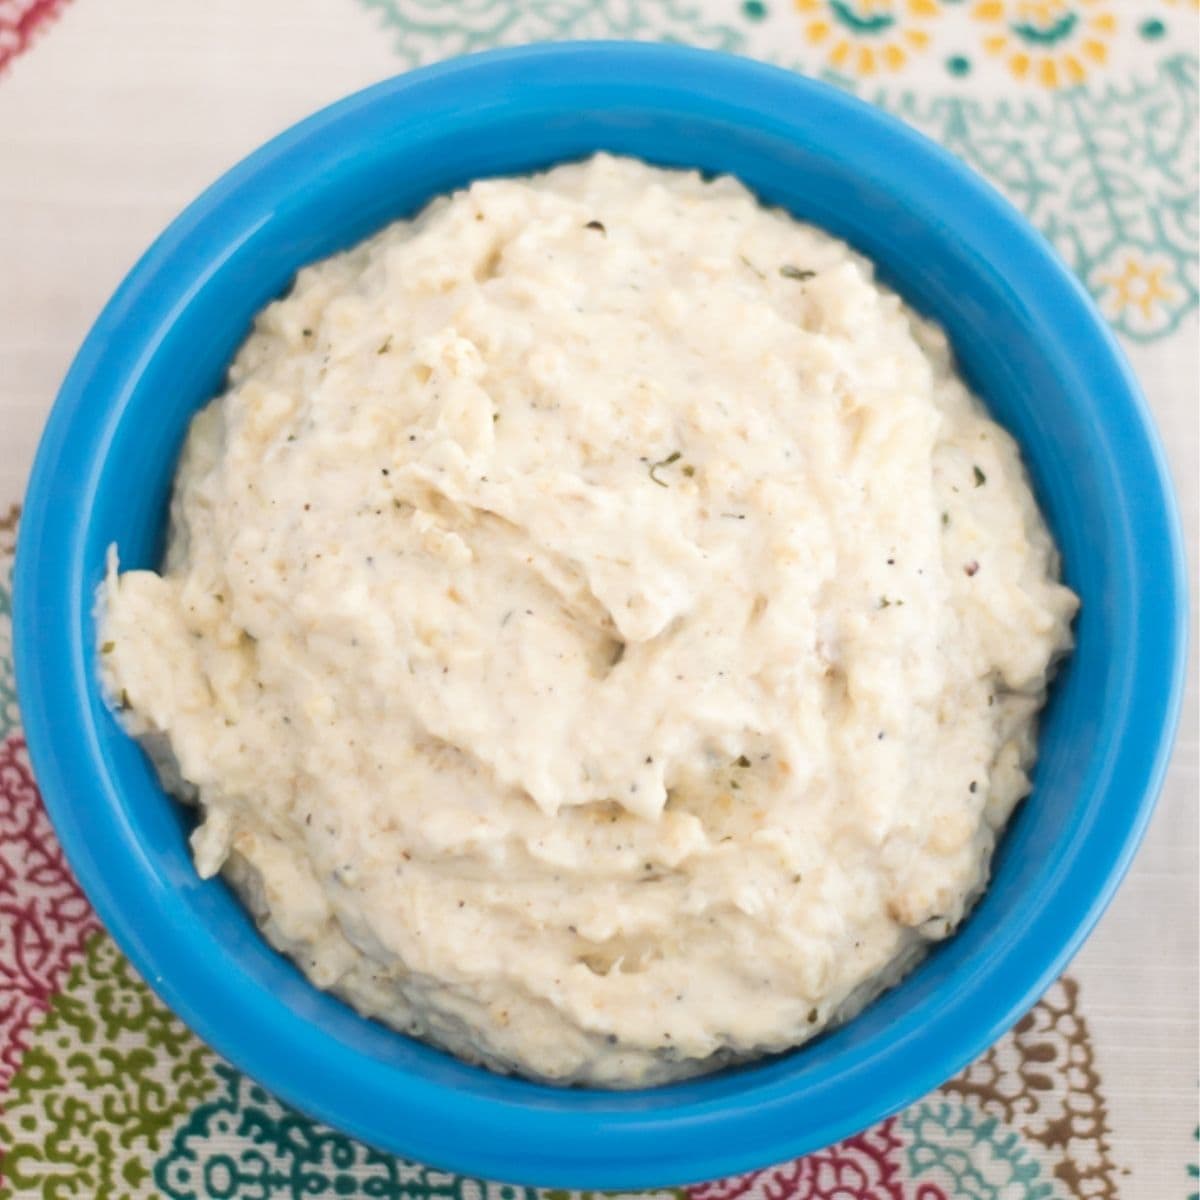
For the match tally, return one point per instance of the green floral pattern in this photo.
(107, 1074)
(116, 1098)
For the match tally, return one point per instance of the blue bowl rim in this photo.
(617, 1146)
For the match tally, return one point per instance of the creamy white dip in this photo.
(601, 632)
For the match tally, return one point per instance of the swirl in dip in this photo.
(602, 634)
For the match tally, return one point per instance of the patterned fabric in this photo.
(1083, 111)
(106, 1093)
(1107, 171)
(20, 20)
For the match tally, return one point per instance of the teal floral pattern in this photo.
(973, 1155)
(1109, 175)
(1097, 145)
(1193, 1169)
(245, 1145)
(428, 30)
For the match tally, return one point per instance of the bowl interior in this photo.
(1026, 342)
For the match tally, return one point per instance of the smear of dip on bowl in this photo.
(602, 634)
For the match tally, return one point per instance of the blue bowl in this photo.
(1028, 340)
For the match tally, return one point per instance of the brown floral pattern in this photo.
(1042, 1079)
(8, 531)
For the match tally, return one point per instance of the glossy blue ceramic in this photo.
(1028, 340)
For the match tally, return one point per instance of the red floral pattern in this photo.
(867, 1166)
(19, 21)
(44, 917)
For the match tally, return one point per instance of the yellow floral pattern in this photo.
(1053, 42)
(867, 36)
(1139, 290)
(1045, 46)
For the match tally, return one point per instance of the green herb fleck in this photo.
(108, 648)
(741, 761)
(797, 273)
(980, 477)
(124, 698)
(747, 263)
(666, 462)
(884, 602)
(598, 226)
(689, 471)
(386, 346)
(495, 417)
(306, 332)
(945, 518)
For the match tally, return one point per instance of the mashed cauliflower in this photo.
(602, 634)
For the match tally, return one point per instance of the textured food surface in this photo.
(602, 633)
